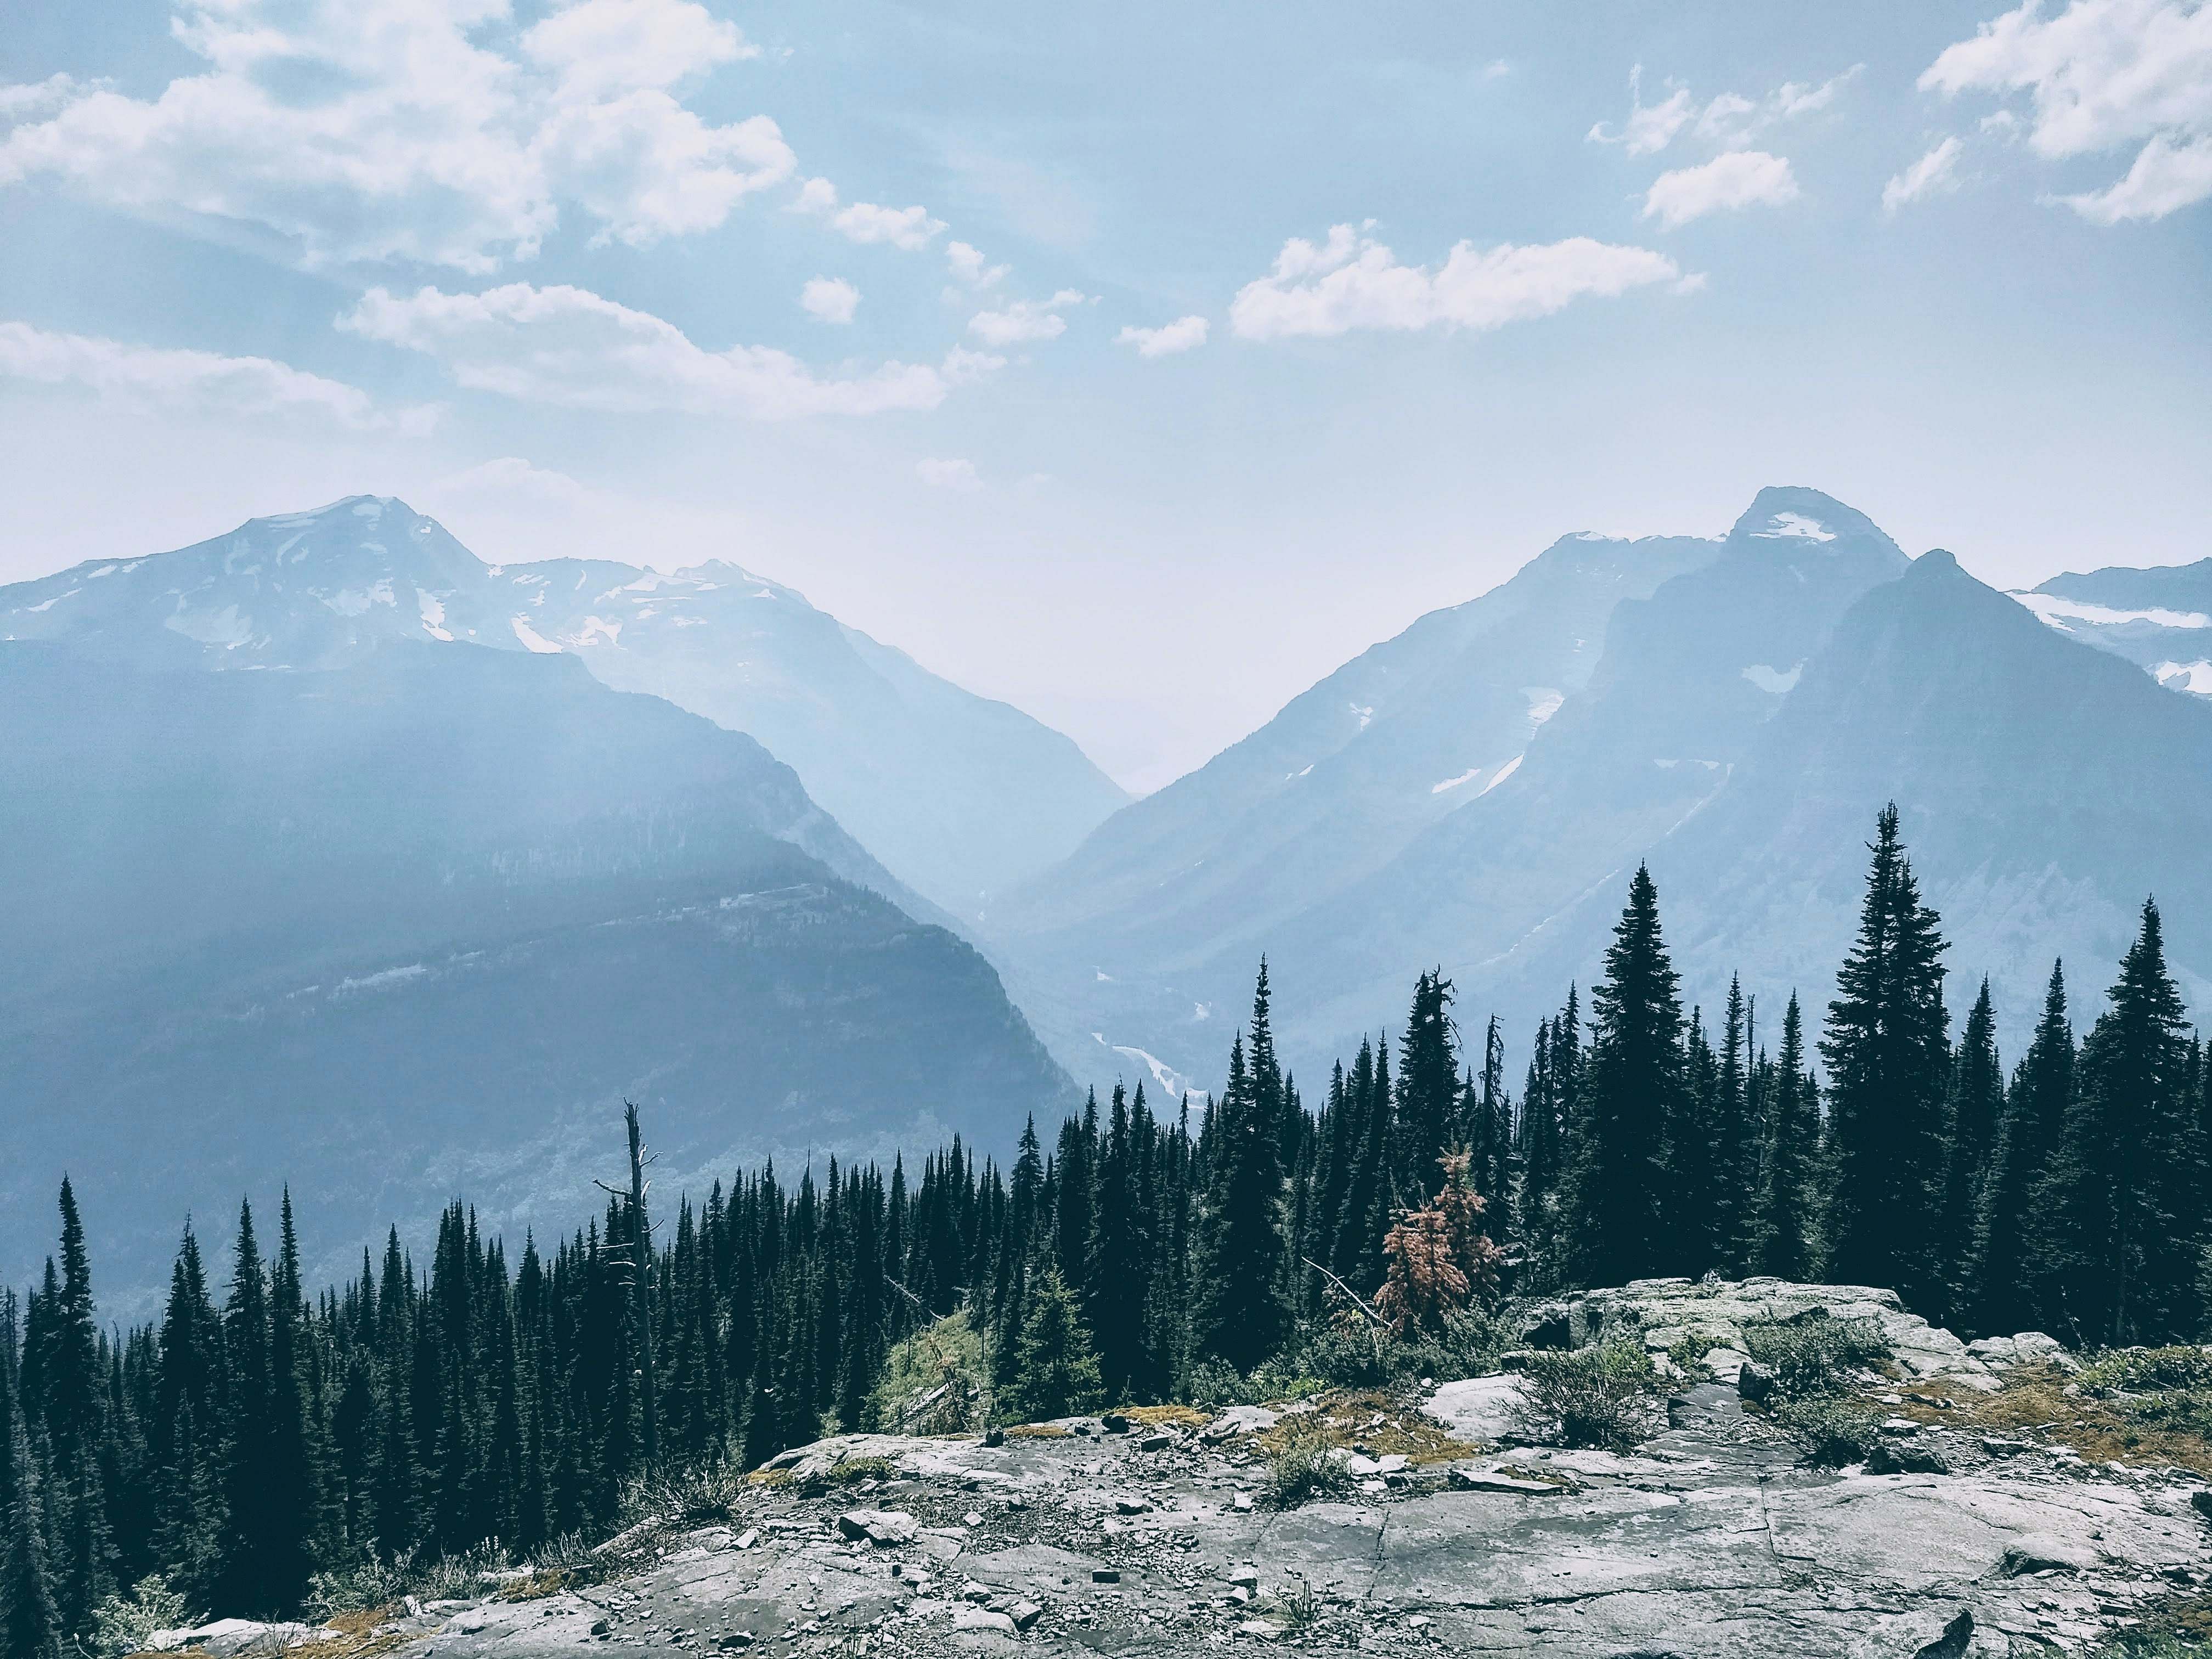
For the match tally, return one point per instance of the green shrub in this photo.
(2138, 1371)
(368, 1583)
(685, 1494)
(1606, 1394)
(1304, 1465)
(1814, 1356)
(1214, 1384)
(931, 1382)
(1336, 1355)
(1832, 1429)
(126, 1624)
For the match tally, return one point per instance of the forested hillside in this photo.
(262, 1439)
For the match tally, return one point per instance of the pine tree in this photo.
(1784, 1245)
(1244, 1306)
(1735, 1162)
(1117, 1269)
(30, 1622)
(1058, 1375)
(1689, 1201)
(1888, 1077)
(2121, 1240)
(2010, 1224)
(1428, 1086)
(1630, 1091)
(1976, 1100)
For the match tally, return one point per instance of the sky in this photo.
(1137, 364)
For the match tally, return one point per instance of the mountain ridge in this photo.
(958, 795)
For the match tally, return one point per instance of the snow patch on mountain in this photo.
(1773, 680)
(2185, 676)
(532, 639)
(225, 628)
(1544, 701)
(1504, 772)
(2057, 612)
(1783, 525)
(1172, 1083)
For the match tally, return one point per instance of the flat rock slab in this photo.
(1481, 1408)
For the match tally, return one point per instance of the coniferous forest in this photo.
(262, 1431)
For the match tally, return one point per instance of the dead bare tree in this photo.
(639, 1264)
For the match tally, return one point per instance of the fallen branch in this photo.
(1357, 1301)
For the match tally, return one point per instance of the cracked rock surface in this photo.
(1710, 1540)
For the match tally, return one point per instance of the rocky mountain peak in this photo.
(1797, 520)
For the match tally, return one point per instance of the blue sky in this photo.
(1136, 364)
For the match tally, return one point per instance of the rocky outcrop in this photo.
(1711, 1539)
(1670, 1312)
(1442, 1531)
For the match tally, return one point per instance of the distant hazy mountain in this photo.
(415, 926)
(2160, 618)
(1749, 708)
(960, 796)
(1468, 775)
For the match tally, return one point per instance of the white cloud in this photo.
(1181, 335)
(1932, 174)
(1024, 321)
(511, 480)
(1353, 282)
(569, 347)
(910, 228)
(1649, 127)
(948, 475)
(342, 130)
(194, 382)
(2166, 176)
(35, 97)
(1728, 120)
(608, 47)
(2100, 75)
(1739, 178)
(830, 299)
(969, 265)
(907, 227)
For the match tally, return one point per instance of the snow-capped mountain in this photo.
(1520, 746)
(2159, 618)
(1739, 721)
(960, 796)
(423, 920)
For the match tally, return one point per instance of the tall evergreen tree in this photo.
(1630, 1091)
(1244, 1304)
(30, 1625)
(1888, 1078)
(1976, 1100)
(1785, 1242)
(2122, 1238)
(2010, 1223)
(1428, 1087)
(1117, 1271)
(1058, 1375)
(1735, 1160)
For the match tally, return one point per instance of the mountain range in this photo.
(375, 893)
(2160, 618)
(1474, 794)
(351, 859)
(960, 796)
